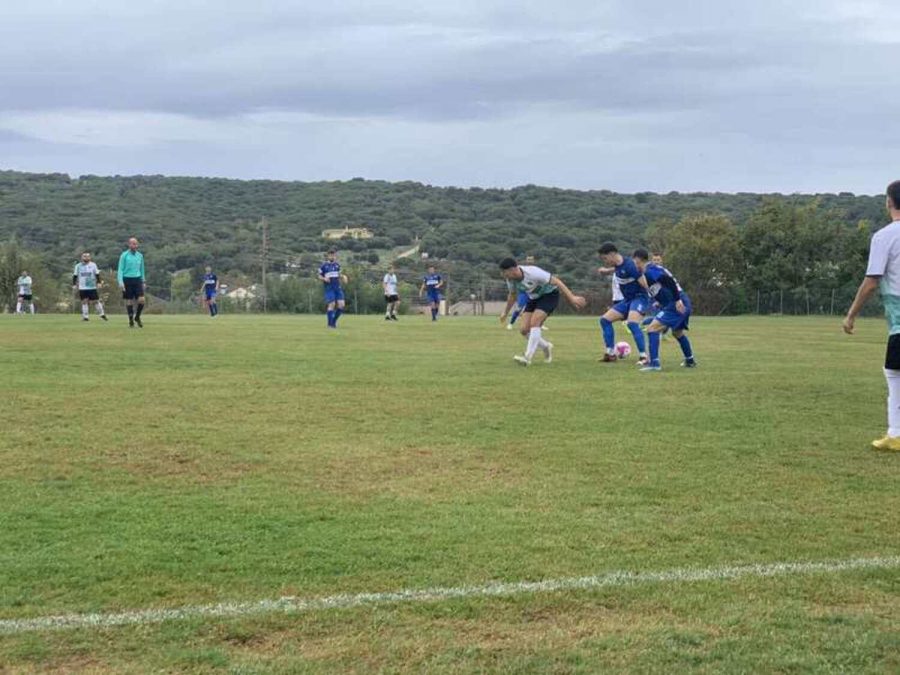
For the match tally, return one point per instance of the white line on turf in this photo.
(294, 604)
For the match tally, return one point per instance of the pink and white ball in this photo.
(623, 350)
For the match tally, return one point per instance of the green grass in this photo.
(250, 458)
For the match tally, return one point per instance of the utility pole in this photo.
(265, 263)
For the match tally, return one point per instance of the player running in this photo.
(674, 312)
(633, 306)
(86, 280)
(433, 283)
(210, 289)
(131, 280)
(543, 291)
(23, 295)
(391, 299)
(331, 277)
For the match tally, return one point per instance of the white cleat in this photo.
(521, 360)
(548, 353)
(509, 326)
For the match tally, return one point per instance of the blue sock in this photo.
(515, 315)
(609, 333)
(337, 315)
(433, 314)
(330, 315)
(212, 312)
(654, 348)
(215, 309)
(686, 347)
(638, 334)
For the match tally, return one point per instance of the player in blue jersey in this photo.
(433, 283)
(674, 310)
(331, 277)
(633, 306)
(210, 290)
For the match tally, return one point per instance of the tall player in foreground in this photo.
(131, 280)
(543, 291)
(883, 272)
(86, 280)
(631, 308)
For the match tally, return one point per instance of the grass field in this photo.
(244, 459)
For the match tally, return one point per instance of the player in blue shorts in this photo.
(674, 312)
(210, 290)
(433, 283)
(331, 277)
(633, 306)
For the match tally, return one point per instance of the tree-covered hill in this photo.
(184, 223)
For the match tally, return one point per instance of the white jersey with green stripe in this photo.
(535, 282)
(87, 274)
(24, 284)
(884, 262)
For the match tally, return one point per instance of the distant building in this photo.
(348, 233)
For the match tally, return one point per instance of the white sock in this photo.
(534, 341)
(85, 310)
(18, 308)
(893, 402)
(100, 308)
(32, 307)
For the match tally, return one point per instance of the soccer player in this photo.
(131, 280)
(24, 293)
(392, 300)
(543, 291)
(521, 300)
(86, 280)
(210, 290)
(433, 283)
(331, 277)
(632, 307)
(674, 310)
(883, 271)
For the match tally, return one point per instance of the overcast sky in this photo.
(627, 95)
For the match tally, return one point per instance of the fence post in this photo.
(781, 305)
(309, 300)
(807, 301)
(832, 302)
(757, 301)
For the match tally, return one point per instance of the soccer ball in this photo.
(623, 349)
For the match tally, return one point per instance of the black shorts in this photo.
(88, 294)
(545, 303)
(892, 358)
(26, 298)
(134, 288)
(391, 298)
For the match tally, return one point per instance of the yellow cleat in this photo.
(888, 443)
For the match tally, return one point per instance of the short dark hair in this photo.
(508, 263)
(331, 250)
(641, 254)
(607, 248)
(893, 192)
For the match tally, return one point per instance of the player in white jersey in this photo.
(392, 300)
(543, 291)
(86, 280)
(23, 295)
(883, 271)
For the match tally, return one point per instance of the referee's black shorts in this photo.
(134, 288)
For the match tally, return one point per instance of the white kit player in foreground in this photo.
(543, 291)
(86, 280)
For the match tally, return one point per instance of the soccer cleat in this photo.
(888, 444)
(387, 318)
(84, 318)
(608, 358)
(509, 326)
(651, 367)
(394, 317)
(644, 360)
(521, 360)
(548, 353)
(689, 363)
(103, 316)
(137, 320)
(130, 322)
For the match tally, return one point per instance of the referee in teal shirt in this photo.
(131, 281)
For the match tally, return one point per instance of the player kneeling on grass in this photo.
(674, 310)
(543, 291)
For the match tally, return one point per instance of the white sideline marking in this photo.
(294, 604)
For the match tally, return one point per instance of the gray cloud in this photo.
(711, 81)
